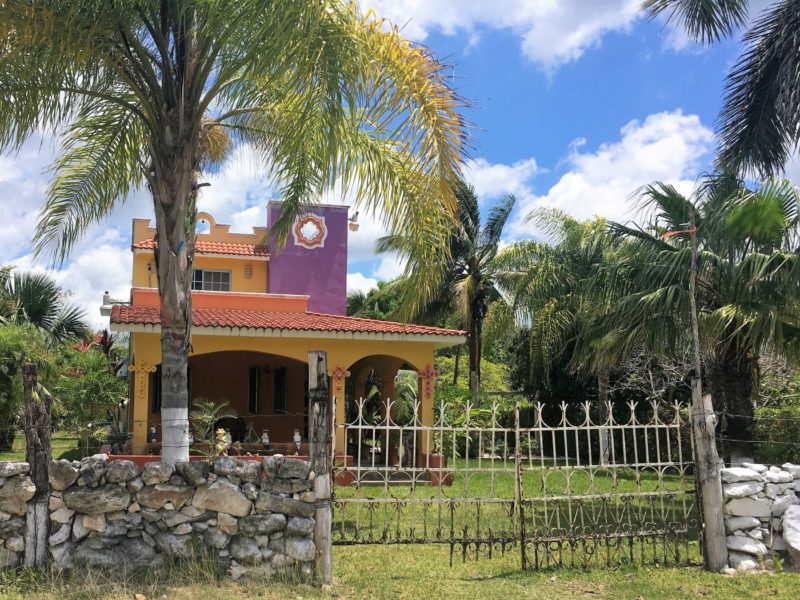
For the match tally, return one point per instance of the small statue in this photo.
(297, 441)
(221, 443)
(265, 438)
(151, 435)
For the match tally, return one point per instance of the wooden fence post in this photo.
(320, 450)
(38, 455)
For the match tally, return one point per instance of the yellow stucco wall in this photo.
(144, 277)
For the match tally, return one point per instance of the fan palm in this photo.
(468, 285)
(760, 119)
(748, 266)
(151, 93)
(36, 299)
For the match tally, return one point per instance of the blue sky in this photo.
(576, 103)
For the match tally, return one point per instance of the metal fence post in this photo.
(518, 490)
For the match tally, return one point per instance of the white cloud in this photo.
(669, 147)
(551, 32)
(492, 180)
(357, 282)
(389, 267)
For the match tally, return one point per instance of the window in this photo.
(155, 381)
(253, 390)
(211, 281)
(279, 390)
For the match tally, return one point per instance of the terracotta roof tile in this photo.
(208, 247)
(292, 321)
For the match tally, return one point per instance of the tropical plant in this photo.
(89, 396)
(468, 285)
(18, 344)
(36, 299)
(380, 302)
(204, 415)
(151, 93)
(759, 125)
(747, 295)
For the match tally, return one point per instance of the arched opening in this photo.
(262, 393)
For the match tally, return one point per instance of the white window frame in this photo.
(214, 283)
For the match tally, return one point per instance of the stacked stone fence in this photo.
(256, 517)
(762, 513)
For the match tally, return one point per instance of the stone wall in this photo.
(16, 488)
(762, 513)
(256, 516)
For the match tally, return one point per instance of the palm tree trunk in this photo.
(474, 347)
(174, 199)
(732, 387)
(455, 367)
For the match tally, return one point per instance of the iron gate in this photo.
(562, 486)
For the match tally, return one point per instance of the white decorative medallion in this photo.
(309, 231)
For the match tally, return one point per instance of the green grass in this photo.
(422, 572)
(64, 445)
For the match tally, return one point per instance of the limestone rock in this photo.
(294, 468)
(227, 524)
(195, 472)
(736, 474)
(16, 543)
(9, 469)
(173, 518)
(215, 537)
(742, 488)
(742, 562)
(106, 498)
(192, 511)
(54, 503)
(8, 558)
(62, 515)
(177, 546)
(61, 474)
(222, 496)
(121, 471)
(245, 550)
(15, 493)
(285, 486)
(93, 468)
(260, 524)
(746, 545)
(11, 526)
(793, 469)
(287, 506)
(749, 507)
(129, 554)
(791, 533)
(183, 529)
(60, 536)
(779, 477)
(782, 503)
(757, 467)
(249, 490)
(773, 490)
(245, 470)
(134, 485)
(62, 555)
(158, 495)
(156, 472)
(300, 526)
(301, 549)
(78, 530)
(94, 522)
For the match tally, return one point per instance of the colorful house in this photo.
(257, 312)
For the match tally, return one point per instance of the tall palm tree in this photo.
(748, 266)
(760, 120)
(150, 93)
(36, 299)
(468, 284)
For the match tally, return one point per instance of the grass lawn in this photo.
(423, 572)
(65, 445)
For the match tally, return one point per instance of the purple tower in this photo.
(314, 260)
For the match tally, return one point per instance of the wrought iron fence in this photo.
(573, 485)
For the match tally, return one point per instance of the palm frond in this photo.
(704, 20)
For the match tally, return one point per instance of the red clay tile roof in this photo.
(292, 321)
(207, 247)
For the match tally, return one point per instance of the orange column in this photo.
(141, 373)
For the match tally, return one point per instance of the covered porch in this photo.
(262, 374)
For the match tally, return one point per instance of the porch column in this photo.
(338, 376)
(141, 377)
(426, 380)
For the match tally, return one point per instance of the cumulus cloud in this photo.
(357, 282)
(551, 33)
(668, 146)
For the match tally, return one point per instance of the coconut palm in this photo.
(36, 299)
(760, 119)
(747, 295)
(151, 93)
(468, 284)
